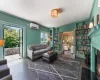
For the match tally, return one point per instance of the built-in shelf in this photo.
(82, 40)
(54, 35)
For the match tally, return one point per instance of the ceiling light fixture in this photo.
(55, 12)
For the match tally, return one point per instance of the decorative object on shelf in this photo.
(48, 38)
(48, 42)
(55, 12)
(1, 43)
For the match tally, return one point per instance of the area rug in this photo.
(61, 69)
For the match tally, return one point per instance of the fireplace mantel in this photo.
(94, 34)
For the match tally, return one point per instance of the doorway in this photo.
(13, 38)
(67, 39)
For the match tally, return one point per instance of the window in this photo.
(44, 37)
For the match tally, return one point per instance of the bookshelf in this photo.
(51, 37)
(82, 40)
(56, 39)
(54, 36)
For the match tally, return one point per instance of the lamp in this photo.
(90, 25)
(49, 39)
(1, 43)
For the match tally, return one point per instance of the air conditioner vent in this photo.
(34, 26)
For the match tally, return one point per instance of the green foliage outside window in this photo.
(11, 38)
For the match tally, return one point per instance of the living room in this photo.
(59, 40)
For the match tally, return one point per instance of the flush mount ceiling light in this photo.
(55, 12)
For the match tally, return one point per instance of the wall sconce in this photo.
(91, 25)
(1, 43)
(55, 12)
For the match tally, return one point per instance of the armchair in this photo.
(9, 77)
(4, 70)
(2, 62)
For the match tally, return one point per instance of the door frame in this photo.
(74, 41)
(3, 25)
(22, 42)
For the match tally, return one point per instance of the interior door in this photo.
(21, 42)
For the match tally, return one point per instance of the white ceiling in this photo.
(39, 10)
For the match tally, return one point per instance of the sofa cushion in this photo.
(40, 51)
(40, 46)
(31, 47)
(45, 50)
(44, 46)
(3, 62)
(48, 48)
(3, 67)
(37, 48)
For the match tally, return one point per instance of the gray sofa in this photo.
(4, 70)
(36, 50)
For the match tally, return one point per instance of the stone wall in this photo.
(11, 51)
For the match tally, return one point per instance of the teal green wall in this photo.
(95, 9)
(31, 36)
(72, 26)
(1, 48)
(94, 36)
(68, 27)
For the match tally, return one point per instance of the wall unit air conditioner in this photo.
(34, 26)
